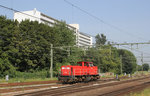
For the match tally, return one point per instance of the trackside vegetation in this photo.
(145, 92)
(25, 50)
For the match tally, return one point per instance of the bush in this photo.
(34, 75)
(6, 68)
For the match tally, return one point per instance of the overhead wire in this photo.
(104, 22)
(31, 15)
(72, 5)
(131, 48)
(18, 11)
(136, 50)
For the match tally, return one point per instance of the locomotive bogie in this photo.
(70, 79)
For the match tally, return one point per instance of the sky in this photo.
(130, 18)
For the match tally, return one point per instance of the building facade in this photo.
(82, 39)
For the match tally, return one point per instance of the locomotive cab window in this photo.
(91, 64)
(87, 64)
(79, 64)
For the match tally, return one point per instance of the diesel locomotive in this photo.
(83, 71)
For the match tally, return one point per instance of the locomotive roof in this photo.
(84, 62)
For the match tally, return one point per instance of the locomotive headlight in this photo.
(68, 67)
(65, 68)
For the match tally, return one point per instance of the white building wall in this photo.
(47, 19)
(34, 15)
(85, 39)
(81, 38)
(75, 25)
(30, 15)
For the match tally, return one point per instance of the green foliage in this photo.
(128, 61)
(64, 36)
(6, 68)
(139, 67)
(25, 50)
(7, 27)
(25, 46)
(58, 67)
(32, 75)
(105, 57)
(76, 55)
(144, 92)
(33, 45)
(145, 67)
(100, 39)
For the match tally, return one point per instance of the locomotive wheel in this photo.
(88, 78)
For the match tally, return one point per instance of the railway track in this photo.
(74, 89)
(123, 91)
(27, 83)
(17, 88)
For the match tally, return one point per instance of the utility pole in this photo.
(136, 66)
(121, 63)
(142, 60)
(84, 51)
(110, 50)
(51, 67)
(69, 52)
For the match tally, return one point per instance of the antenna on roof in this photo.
(34, 11)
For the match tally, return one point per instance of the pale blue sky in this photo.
(131, 16)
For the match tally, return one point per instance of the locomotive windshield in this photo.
(79, 63)
(91, 64)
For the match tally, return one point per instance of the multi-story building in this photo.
(82, 39)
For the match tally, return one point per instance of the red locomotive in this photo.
(83, 71)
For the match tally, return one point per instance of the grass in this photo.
(13, 80)
(42, 75)
(145, 92)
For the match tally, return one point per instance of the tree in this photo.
(139, 67)
(36, 42)
(106, 58)
(64, 36)
(26, 45)
(128, 61)
(100, 39)
(8, 30)
(145, 67)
